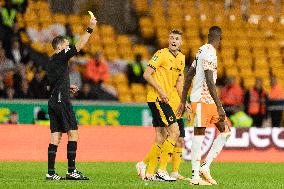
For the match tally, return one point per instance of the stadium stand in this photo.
(251, 44)
(41, 25)
(250, 48)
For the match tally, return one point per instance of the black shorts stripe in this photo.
(168, 112)
(157, 120)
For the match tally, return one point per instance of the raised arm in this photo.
(85, 37)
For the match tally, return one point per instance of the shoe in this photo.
(165, 176)
(152, 177)
(207, 177)
(199, 182)
(76, 175)
(55, 176)
(141, 169)
(177, 176)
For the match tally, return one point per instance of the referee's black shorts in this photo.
(62, 116)
(162, 114)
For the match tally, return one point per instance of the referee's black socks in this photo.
(71, 155)
(52, 149)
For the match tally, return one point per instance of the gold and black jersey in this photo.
(168, 68)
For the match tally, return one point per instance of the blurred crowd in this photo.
(23, 77)
(250, 107)
(22, 69)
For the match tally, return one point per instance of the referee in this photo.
(62, 117)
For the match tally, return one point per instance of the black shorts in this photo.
(162, 114)
(62, 116)
(181, 127)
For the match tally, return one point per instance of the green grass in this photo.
(31, 175)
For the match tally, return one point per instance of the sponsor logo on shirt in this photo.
(155, 58)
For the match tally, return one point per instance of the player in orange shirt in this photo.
(206, 106)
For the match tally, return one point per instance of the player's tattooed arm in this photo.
(213, 92)
(179, 85)
(85, 37)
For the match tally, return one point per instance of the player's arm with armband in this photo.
(85, 37)
(154, 63)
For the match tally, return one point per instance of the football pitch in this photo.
(31, 175)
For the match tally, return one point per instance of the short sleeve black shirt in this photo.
(58, 73)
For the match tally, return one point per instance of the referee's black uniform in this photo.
(62, 116)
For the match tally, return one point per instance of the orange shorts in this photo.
(204, 114)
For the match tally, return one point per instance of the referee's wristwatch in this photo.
(89, 30)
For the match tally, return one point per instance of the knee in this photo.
(56, 140)
(160, 138)
(73, 136)
(180, 142)
(174, 131)
(164, 133)
(177, 133)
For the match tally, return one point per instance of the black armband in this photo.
(89, 30)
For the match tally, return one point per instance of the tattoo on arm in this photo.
(179, 86)
(212, 87)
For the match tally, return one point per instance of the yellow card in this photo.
(91, 14)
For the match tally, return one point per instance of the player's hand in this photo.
(93, 22)
(163, 96)
(180, 109)
(188, 107)
(74, 89)
(221, 113)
